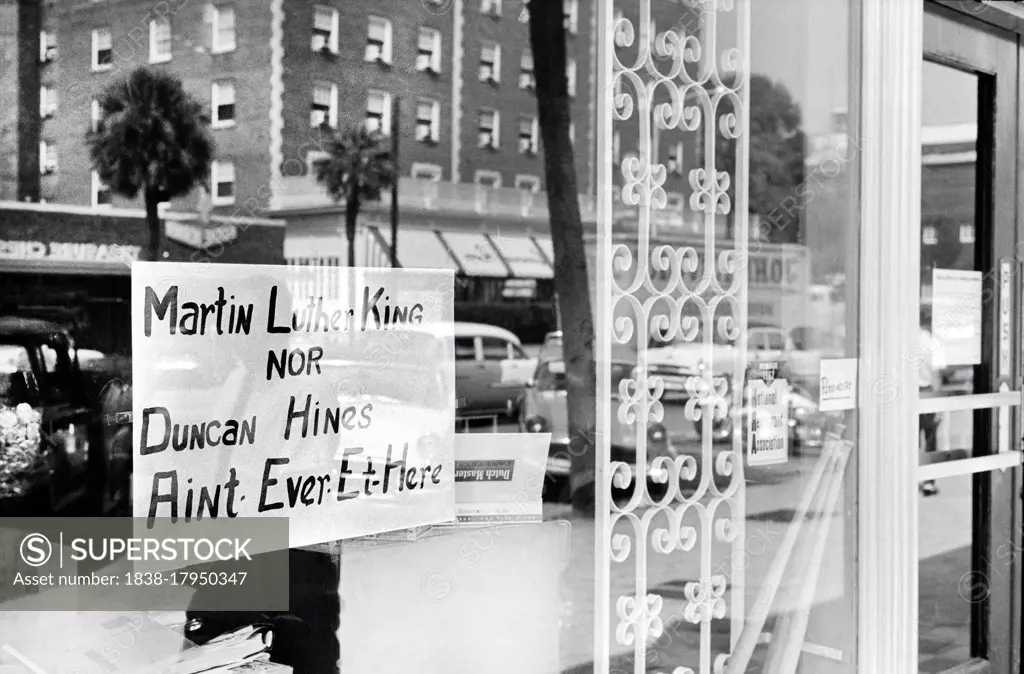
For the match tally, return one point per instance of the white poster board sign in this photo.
(837, 388)
(768, 406)
(323, 395)
(956, 314)
(499, 477)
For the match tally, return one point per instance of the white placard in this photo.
(499, 477)
(837, 384)
(324, 395)
(768, 437)
(956, 315)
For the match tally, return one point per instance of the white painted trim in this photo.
(980, 401)
(949, 158)
(458, 19)
(977, 464)
(945, 134)
(605, 207)
(890, 221)
(276, 98)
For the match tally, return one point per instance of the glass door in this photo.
(967, 364)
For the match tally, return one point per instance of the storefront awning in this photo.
(422, 249)
(544, 243)
(523, 256)
(476, 254)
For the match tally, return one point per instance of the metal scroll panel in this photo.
(678, 99)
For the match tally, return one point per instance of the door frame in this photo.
(890, 201)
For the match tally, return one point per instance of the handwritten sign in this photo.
(251, 400)
(837, 384)
(768, 437)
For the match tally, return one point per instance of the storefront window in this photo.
(742, 298)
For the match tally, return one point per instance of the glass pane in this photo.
(495, 348)
(750, 393)
(950, 339)
(948, 586)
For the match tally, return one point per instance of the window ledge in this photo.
(222, 50)
(223, 201)
(159, 59)
(103, 68)
(224, 125)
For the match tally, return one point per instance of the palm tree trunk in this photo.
(351, 217)
(155, 226)
(547, 38)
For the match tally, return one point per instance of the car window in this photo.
(465, 349)
(551, 376)
(774, 341)
(518, 353)
(495, 348)
(14, 358)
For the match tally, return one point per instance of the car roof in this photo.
(484, 330)
(19, 326)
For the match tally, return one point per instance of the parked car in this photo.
(767, 344)
(810, 346)
(80, 470)
(544, 410)
(491, 370)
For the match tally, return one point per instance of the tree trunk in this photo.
(155, 226)
(351, 217)
(547, 39)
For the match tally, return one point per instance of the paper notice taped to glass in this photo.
(956, 315)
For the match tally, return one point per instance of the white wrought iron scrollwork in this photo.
(676, 82)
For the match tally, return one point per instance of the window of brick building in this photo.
(102, 49)
(428, 55)
(324, 108)
(428, 121)
(222, 102)
(528, 183)
(160, 40)
(490, 179)
(570, 76)
(223, 29)
(426, 172)
(490, 62)
(47, 158)
(572, 14)
(378, 112)
(223, 179)
(100, 191)
(378, 40)
(491, 7)
(325, 29)
(526, 79)
(528, 135)
(489, 135)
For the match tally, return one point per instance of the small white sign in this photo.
(956, 314)
(768, 437)
(837, 384)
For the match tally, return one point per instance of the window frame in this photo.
(215, 121)
(491, 8)
(533, 182)
(434, 136)
(46, 108)
(570, 76)
(385, 118)
(331, 118)
(571, 14)
(386, 53)
(524, 72)
(154, 28)
(420, 168)
(331, 43)
(94, 114)
(45, 149)
(216, 46)
(495, 65)
(434, 64)
(534, 138)
(495, 140)
(215, 168)
(96, 33)
(99, 187)
(487, 174)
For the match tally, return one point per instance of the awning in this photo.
(476, 254)
(523, 256)
(422, 249)
(544, 242)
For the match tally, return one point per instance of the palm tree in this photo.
(357, 168)
(547, 39)
(151, 137)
